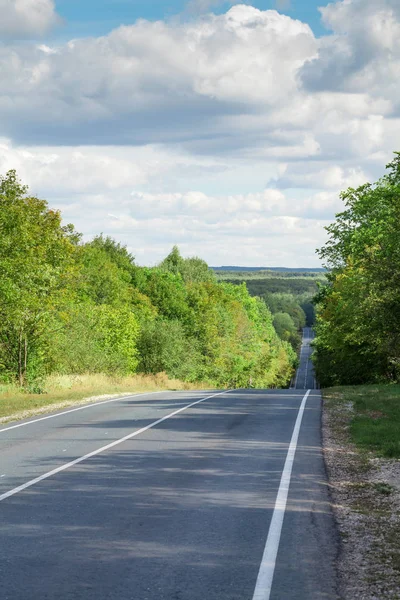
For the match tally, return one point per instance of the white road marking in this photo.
(66, 412)
(103, 449)
(297, 374)
(305, 379)
(267, 567)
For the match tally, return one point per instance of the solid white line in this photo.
(103, 449)
(66, 412)
(305, 379)
(298, 369)
(267, 567)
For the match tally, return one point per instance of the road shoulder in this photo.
(366, 499)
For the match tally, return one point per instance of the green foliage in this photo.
(288, 291)
(286, 303)
(192, 269)
(101, 278)
(375, 424)
(117, 254)
(36, 270)
(255, 273)
(286, 328)
(280, 285)
(165, 290)
(164, 347)
(96, 339)
(72, 307)
(358, 333)
(308, 307)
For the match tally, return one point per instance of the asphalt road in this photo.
(184, 510)
(305, 376)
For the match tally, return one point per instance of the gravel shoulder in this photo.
(366, 497)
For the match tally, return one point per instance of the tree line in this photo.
(358, 327)
(288, 296)
(72, 307)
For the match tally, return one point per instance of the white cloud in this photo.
(363, 53)
(317, 176)
(242, 126)
(155, 82)
(109, 190)
(26, 18)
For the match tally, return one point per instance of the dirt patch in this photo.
(366, 497)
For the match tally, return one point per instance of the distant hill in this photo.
(278, 269)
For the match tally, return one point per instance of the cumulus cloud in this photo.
(154, 82)
(99, 169)
(247, 81)
(237, 126)
(316, 176)
(113, 190)
(251, 229)
(362, 55)
(26, 18)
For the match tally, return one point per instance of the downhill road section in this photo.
(305, 376)
(171, 496)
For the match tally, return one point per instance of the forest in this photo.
(289, 294)
(70, 306)
(358, 315)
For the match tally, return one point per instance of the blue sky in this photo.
(230, 134)
(98, 17)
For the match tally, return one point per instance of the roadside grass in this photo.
(375, 422)
(362, 425)
(66, 390)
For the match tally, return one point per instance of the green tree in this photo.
(71, 307)
(287, 303)
(96, 339)
(164, 347)
(192, 269)
(286, 329)
(359, 311)
(102, 278)
(36, 268)
(166, 291)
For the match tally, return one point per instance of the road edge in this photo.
(365, 517)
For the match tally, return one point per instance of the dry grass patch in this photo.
(61, 391)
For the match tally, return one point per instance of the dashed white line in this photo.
(32, 482)
(86, 406)
(268, 562)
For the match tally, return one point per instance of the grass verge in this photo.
(375, 423)
(67, 390)
(361, 431)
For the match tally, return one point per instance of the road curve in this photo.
(180, 511)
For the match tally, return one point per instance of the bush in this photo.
(96, 339)
(163, 346)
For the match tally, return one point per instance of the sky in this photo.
(99, 17)
(226, 128)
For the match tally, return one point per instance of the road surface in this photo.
(305, 376)
(193, 506)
